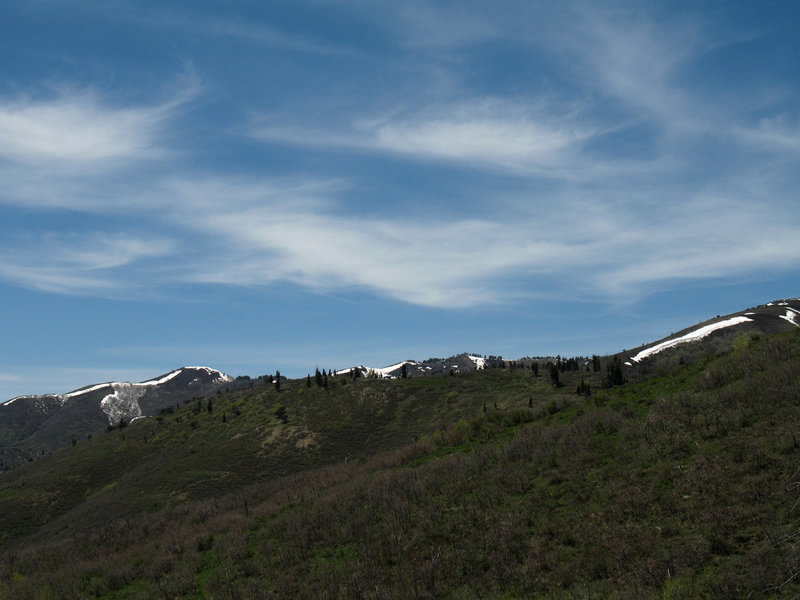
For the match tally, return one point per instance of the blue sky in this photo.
(279, 185)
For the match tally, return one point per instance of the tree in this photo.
(554, 374)
(404, 371)
(614, 374)
(318, 378)
(277, 381)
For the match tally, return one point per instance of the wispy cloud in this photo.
(76, 129)
(630, 56)
(259, 231)
(443, 265)
(775, 135)
(490, 133)
(88, 264)
(200, 22)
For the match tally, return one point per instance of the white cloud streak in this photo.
(76, 130)
(258, 232)
(449, 264)
(89, 264)
(489, 133)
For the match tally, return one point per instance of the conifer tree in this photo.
(554, 374)
(614, 375)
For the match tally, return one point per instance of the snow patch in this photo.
(479, 361)
(82, 391)
(164, 379)
(350, 370)
(791, 316)
(697, 334)
(218, 375)
(123, 403)
(385, 372)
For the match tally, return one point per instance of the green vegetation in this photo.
(489, 484)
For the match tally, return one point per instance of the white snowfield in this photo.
(123, 403)
(82, 391)
(690, 337)
(382, 372)
(479, 361)
(385, 371)
(791, 316)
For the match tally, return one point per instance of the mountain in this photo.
(713, 336)
(34, 425)
(432, 366)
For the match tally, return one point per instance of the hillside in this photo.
(683, 485)
(34, 425)
(715, 335)
(211, 446)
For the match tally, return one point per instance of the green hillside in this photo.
(490, 484)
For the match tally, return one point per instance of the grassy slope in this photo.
(194, 453)
(682, 486)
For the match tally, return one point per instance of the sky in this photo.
(260, 186)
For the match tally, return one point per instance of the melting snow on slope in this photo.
(791, 316)
(480, 362)
(164, 379)
(82, 391)
(123, 403)
(689, 337)
(386, 371)
(213, 372)
(382, 372)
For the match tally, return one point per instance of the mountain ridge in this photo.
(714, 335)
(32, 425)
